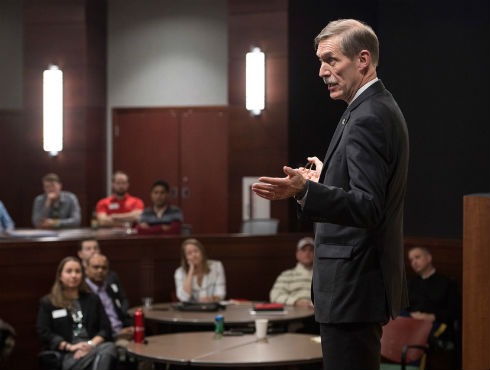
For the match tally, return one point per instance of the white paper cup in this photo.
(261, 328)
(147, 302)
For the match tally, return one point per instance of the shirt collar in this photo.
(94, 287)
(432, 272)
(364, 88)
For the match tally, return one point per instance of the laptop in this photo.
(197, 306)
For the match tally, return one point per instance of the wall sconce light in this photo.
(53, 110)
(255, 81)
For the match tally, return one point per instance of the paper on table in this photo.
(316, 339)
(253, 312)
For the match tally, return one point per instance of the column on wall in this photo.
(72, 35)
(258, 144)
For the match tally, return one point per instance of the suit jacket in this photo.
(357, 206)
(54, 324)
(118, 295)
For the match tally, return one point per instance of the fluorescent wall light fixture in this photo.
(53, 110)
(255, 81)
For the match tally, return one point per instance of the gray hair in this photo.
(354, 37)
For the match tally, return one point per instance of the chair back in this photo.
(401, 332)
(260, 226)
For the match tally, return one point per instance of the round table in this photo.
(203, 349)
(234, 314)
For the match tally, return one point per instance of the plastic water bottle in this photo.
(219, 326)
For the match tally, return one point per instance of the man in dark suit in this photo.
(112, 295)
(356, 197)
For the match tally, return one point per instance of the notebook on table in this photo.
(197, 306)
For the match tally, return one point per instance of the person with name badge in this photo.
(72, 321)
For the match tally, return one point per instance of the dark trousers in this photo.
(102, 357)
(351, 346)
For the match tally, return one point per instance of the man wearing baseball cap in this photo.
(293, 286)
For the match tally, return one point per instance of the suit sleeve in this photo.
(103, 323)
(48, 337)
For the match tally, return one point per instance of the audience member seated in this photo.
(7, 340)
(293, 286)
(113, 298)
(86, 249)
(120, 208)
(432, 297)
(6, 223)
(161, 217)
(199, 279)
(55, 208)
(72, 320)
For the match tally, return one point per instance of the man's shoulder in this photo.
(68, 195)
(132, 197)
(134, 200)
(443, 279)
(290, 272)
(105, 200)
(173, 209)
(113, 278)
(148, 211)
(40, 197)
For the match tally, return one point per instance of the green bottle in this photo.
(219, 326)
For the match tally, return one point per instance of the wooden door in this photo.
(146, 146)
(188, 147)
(204, 170)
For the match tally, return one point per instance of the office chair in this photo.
(405, 344)
(260, 226)
(49, 360)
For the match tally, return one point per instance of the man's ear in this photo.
(364, 60)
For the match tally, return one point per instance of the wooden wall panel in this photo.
(73, 35)
(11, 129)
(258, 145)
(476, 280)
(146, 146)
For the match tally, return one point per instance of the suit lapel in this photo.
(371, 90)
(335, 139)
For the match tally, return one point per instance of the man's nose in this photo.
(324, 70)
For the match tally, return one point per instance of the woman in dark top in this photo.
(72, 320)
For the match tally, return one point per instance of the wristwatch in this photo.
(91, 344)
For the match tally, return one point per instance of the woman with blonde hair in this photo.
(199, 279)
(72, 320)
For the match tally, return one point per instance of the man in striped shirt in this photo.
(293, 286)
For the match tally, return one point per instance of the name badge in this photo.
(113, 206)
(59, 313)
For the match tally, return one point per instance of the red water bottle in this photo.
(139, 326)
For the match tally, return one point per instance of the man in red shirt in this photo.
(120, 208)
